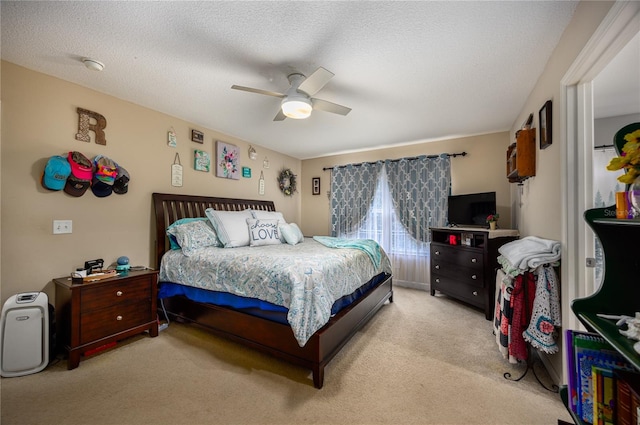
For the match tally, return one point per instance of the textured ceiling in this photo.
(411, 71)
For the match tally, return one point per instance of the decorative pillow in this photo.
(194, 235)
(172, 239)
(263, 232)
(291, 233)
(231, 226)
(270, 215)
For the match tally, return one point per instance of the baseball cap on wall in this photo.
(100, 188)
(75, 186)
(105, 169)
(81, 166)
(121, 183)
(55, 173)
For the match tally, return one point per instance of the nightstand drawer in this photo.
(108, 321)
(115, 293)
(457, 256)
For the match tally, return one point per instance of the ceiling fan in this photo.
(297, 102)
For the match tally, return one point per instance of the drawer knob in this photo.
(119, 318)
(437, 280)
(474, 277)
(437, 267)
(437, 253)
(475, 293)
(119, 293)
(473, 260)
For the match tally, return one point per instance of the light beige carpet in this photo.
(421, 360)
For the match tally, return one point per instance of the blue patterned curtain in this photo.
(352, 191)
(420, 188)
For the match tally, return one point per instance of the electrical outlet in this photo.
(62, 226)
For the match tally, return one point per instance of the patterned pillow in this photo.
(291, 233)
(231, 226)
(172, 239)
(263, 232)
(194, 235)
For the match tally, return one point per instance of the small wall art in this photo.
(545, 125)
(201, 161)
(197, 136)
(315, 186)
(227, 161)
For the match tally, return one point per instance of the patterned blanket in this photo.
(306, 278)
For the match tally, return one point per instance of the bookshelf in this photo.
(619, 293)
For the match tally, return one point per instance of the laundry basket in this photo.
(24, 334)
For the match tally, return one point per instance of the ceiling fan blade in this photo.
(259, 91)
(327, 106)
(314, 82)
(280, 116)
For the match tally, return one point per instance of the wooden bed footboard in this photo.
(262, 334)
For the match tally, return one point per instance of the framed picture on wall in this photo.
(315, 186)
(227, 161)
(197, 136)
(545, 125)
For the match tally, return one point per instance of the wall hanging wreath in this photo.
(287, 182)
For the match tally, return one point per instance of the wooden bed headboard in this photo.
(170, 207)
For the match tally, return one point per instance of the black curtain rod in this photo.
(396, 160)
(604, 146)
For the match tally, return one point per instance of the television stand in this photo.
(464, 263)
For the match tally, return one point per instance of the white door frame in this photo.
(620, 25)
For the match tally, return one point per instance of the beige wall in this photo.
(483, 169)
(39, 119)
(540, 213)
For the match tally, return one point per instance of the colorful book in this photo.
(590, 350)
(603, 395)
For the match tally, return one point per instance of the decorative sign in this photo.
(176, 172)
(227, 162)
(246, 172)
(197, 136)
(261, 184)
(201, 162)
(85, 126)
(172, 140)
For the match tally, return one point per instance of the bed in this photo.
(261, 330)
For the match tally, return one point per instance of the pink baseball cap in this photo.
(81, 166)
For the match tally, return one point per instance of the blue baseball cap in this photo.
(56, 172)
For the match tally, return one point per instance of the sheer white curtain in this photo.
(394, 203)
(409, 256)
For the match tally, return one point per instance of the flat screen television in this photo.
(471, 210)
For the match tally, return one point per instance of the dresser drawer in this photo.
(114, 293)
(469, 293)
(457, 256)
(470, 275)
(101, 323)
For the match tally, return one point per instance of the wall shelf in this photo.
(521, 156)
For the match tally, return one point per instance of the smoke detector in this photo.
(93, 64)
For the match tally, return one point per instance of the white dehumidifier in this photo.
(24, 334)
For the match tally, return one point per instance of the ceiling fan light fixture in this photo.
(297, 108)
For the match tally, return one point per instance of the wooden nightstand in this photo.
(90, 315)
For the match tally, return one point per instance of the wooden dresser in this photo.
(463, 263)
(93, 314)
